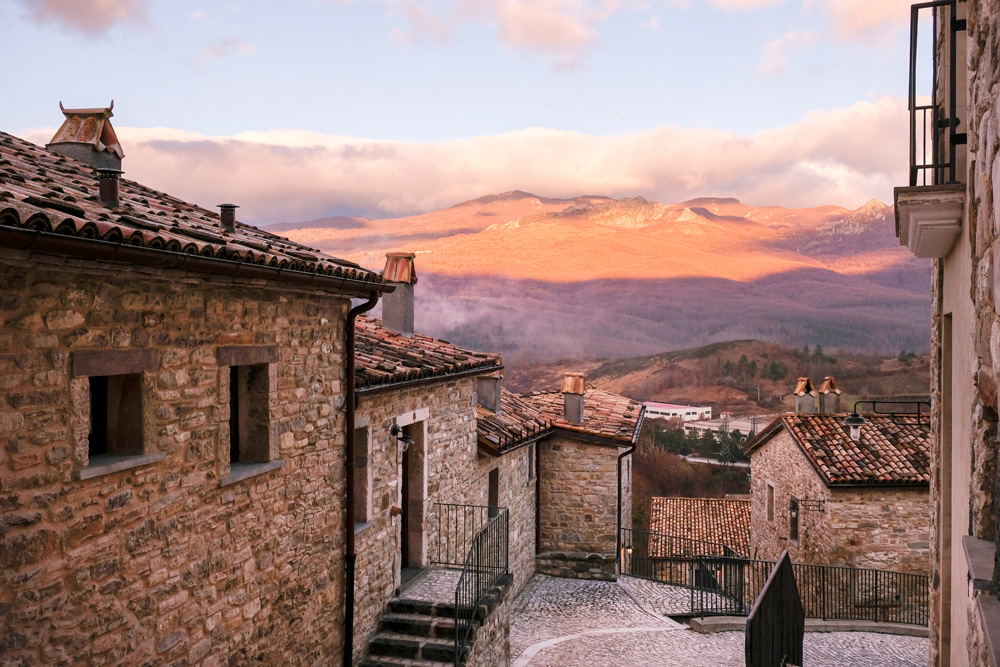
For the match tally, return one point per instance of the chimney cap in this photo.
(229, 206)
(399, 268)
(574, 383)
(805, 386)
(108, 172)
(829, 386)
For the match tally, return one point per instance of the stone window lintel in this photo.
(247, 355)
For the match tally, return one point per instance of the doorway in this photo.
(412, 530)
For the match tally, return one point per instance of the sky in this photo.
(307, 108)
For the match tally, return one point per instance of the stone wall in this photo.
(158, 563)
(579, 497)
(444, 413)
(975, 255)
(781, 463)
(880, 528)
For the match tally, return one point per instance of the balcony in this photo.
(929, 211)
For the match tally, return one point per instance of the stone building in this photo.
(585, 477)
(829, 500)
(172, 391)
(950, 212)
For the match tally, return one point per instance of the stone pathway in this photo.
(574, 623)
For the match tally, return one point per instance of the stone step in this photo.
(388, 661)
(406, 606)
(419, 625)
(407, 646)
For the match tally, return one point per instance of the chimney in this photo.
(829, 397)
(227, 213)
(397, 306)
(86, 135)
(488, 391)
(573, 389)
(107, 181)
(805, 397)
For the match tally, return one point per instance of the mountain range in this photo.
(539, 279)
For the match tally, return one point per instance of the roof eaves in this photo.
(63, 245)
(423, 380)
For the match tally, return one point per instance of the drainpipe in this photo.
(618, 533)
(350, 405)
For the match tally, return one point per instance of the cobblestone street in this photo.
(574, 623)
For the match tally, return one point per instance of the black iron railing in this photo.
(726, 586)
(457, 526)
(484, 565)
(722, 582)
(934, 134)
(776, 624)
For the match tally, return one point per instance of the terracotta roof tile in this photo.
(384, 357)
(40, 190)
(604, 414)
(517, 423)
(891, 451)
(717, 520)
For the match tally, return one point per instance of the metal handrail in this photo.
(457, 525)
(484, 565)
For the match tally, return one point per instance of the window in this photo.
(109, 406)
(362, 476)
(793, 520)
(530, 461)
(251, 379)
(770, 502)
(115, 415)
(249, 414)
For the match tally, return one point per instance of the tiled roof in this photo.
(384, 357)
(604, 414)
(43, 191)
(517, 423)
(717, 520)
(888, 452)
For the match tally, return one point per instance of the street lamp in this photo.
(854, 422)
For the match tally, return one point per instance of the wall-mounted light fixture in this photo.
(397, 433)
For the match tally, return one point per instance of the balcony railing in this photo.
(934, 135)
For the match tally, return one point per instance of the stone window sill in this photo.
(979, 555)
(106, 464)
(362, 526)
(989, 615)
(241, 471)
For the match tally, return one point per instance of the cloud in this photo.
(93, 18)
(775, 55)
(557, 29)
(224, 47)
(653, 24)
(864, 20)
(744, 5)
(198, 15)
(841, 157)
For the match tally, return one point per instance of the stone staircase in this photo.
(414, 633)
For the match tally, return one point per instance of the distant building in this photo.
(830, 500)
(685, 413)
(744, 425)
